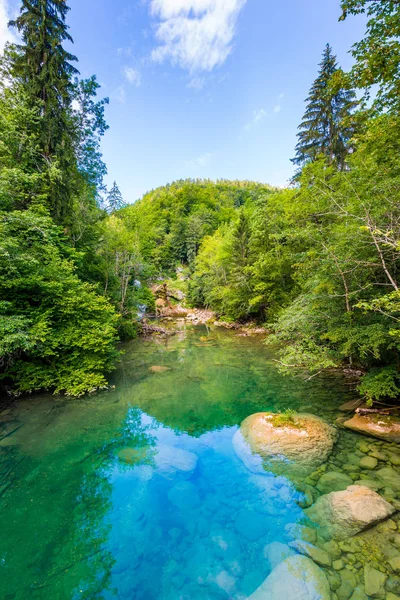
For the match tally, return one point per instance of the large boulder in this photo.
(343, 514)
(294, 447)
(383, 427)
(296, 578)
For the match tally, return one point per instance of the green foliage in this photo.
(381, 384)
(377, 55)
(171, 222)
(58, 333)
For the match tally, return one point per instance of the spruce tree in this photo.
(114, 199)
(45, 70)
(44, 65)
(326, 128)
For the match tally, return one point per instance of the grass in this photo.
(287, 417)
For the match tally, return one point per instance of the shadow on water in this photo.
(138, 493)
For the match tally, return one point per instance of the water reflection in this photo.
(138, 493)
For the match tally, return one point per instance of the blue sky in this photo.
(203, 88)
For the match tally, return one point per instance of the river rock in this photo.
(374, 582)
(295, 448)
(379, 426)
(368, 462)
(134, 456)
(184, 496)
(318, 555)
(343, 514)
(158, 369)
(389, 477)
(275, 553)
(171, 460)
(333, 482)
(395, 564)
(296, 578)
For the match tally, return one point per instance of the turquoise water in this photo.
(137, 492)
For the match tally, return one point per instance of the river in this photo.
(137, 492)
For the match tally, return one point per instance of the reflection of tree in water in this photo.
(55, 527)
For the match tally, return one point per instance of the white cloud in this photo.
(119, 94)
(277, 108)
(201, 161)
(258, 115)
(197, 83)
(197, 35)
(6, 34)
(133, 76)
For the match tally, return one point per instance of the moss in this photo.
(286, 418)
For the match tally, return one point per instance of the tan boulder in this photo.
(293, 447)
(384, 427)
(343, 514)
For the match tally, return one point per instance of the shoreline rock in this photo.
(383, 427)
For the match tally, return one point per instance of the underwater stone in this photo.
(394, 459)
(158, 369)
(389, 478)
(275, 553)
(307, 534)
(319, 556)
(343, 514)
(333, 482)
(251, 524)
(170, 460)
(333, 549)
(294, 448)
(368, 462)
(372, 484)
(296, 578)
(359, 594)
(374, 582)
(184, 496)
(347, 586)
(395, 564)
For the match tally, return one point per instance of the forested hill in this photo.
(171, 221)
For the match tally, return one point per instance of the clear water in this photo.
(183, 519)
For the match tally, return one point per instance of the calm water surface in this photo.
(137, 493)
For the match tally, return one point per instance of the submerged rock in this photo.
(135, 456)
(275, 553)
(380, 426)
(171, 460)
(333, 482)
(158, 369)
(296, 578)
(318, 555)
(269, 442)
(374, 582)
(343, 514)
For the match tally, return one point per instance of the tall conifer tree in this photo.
(326, 128)
(45, 69)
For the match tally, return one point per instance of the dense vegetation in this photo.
(317, 262)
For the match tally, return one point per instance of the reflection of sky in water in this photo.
(184, 532)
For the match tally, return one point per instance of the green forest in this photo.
(316, 263)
